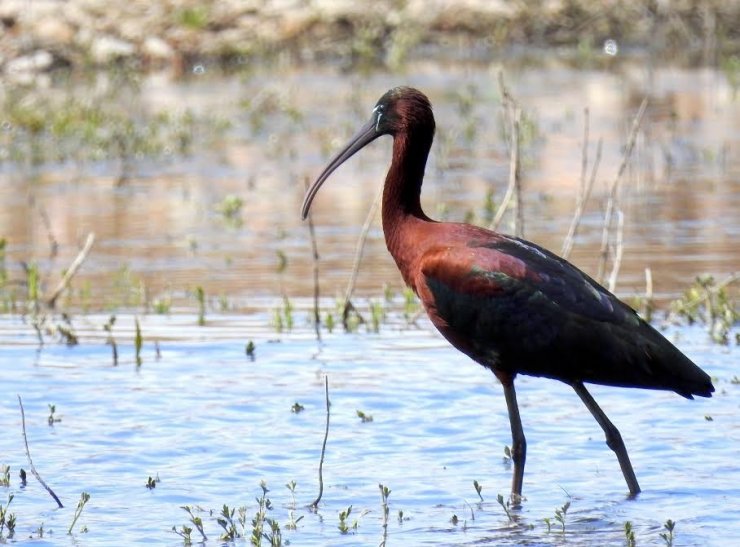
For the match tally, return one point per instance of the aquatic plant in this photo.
(110, 340)
(249, 350)
(292, 523)
(667, 536)
(385, 492)
(261, 521)
(52, 419)
(195, 521)
(377, 315)
(478, 489)
(232, 530)
(128, 288)
(138, 342)
(66, 331)
(162, 305)
(7, 520)
(506, 506)
(411, 306)
(708, 302)
(329, 322)
(629, 534)
(344, 525)
(230, 208)
(560, 515)
(200, 296)
(84, 498)
(185, 532)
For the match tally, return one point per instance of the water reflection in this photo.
(680, 193)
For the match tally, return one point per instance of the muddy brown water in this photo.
(679, 194)
(212, 423)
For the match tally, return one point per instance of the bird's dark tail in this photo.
(679, 372)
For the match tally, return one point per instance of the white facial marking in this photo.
(379, 111)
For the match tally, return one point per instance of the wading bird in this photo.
(511, 305)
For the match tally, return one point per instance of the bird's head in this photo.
(401, 110)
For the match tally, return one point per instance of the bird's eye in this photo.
(378, 110)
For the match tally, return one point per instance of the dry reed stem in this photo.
(611, 203)
(581, 202)
(514, 186)
(30, 461)
(53, 243)
(586, 185)
(347, 307)
(71, 271)
(315, 268)
(618, 253)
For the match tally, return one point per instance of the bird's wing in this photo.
(511, 269)
(505, 296)
(516, 307)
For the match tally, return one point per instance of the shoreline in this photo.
(43, 35)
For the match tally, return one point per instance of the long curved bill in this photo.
(364, 136)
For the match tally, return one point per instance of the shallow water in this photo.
(212, 424)
(680, 194)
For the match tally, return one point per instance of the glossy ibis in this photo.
(509, 304)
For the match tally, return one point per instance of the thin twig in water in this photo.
(611, 204)
(71, 271)
(514, 188)
(585, 189)
(647, 307)
(315, 504)
(584, 151)
(618, 253)
(581, 204)
(516, 170)
(316, 291)
(30, 461)
(347, 307)
(53, 243)
(648, 284)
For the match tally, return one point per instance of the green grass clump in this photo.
(7, 520)
(194, 17)
(709, 303)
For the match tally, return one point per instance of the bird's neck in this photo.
(402, 213)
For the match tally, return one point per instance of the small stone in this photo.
(105, 49)
(53, 32)
(36, 62)
(157, 49)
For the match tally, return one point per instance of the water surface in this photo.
(212, 424)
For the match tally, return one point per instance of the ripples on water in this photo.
(680, 194)
(211, 424)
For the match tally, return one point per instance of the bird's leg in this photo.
(613, 438)
(518, 442)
